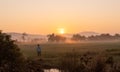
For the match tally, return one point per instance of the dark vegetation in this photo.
(11, 59)
(87, 63)
(55, 38)
(78, 57)
(102, 37)
(78, 37)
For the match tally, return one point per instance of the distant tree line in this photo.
(78, 37)
(55, 38)
(101, 37)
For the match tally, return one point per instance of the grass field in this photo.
(53, 51)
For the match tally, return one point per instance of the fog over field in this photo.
(59, 35)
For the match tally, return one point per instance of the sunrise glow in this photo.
(61, 30)
(45, 16)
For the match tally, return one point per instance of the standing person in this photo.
(38, 50)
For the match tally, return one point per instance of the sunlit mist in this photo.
(61, 30)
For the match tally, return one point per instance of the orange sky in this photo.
(46, 16)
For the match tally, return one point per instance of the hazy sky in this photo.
(46, 16)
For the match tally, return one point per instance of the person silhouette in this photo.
(38, 50)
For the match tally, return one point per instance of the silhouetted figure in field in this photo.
(38, 50)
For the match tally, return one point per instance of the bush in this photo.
(11, 60)
(87, 63)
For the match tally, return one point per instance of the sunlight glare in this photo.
(61, 30)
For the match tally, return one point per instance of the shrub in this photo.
(11, 60)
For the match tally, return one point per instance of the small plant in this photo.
(86, 63)
(11, 59)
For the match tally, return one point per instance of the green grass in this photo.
(52, 52)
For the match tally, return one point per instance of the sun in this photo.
(61, 30)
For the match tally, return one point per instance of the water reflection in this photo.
(51, 70)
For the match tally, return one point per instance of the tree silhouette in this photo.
(51, 37)
(117, 36)
(101, 37)
(55, 38)
(78, 37)
(11, 60)
(24, 36)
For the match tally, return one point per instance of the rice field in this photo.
(53, 51)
